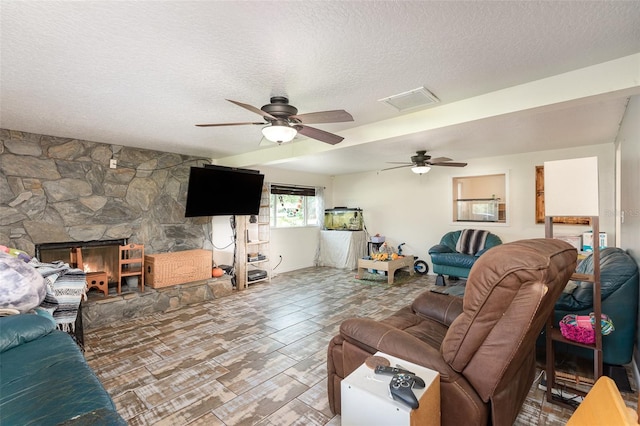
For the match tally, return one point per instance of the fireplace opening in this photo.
(97, 256)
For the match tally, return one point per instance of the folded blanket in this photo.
(66, 287)
(471, 241)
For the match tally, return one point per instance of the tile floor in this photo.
(256, 357)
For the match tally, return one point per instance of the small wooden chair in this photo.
(131, 264)
(98, 280)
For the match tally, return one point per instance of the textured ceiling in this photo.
(142, 73)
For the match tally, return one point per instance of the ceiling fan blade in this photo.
(397, 167)
(253, 109)
(448, 164)
(439, 160)
(318, 134)
(400, 162)
(229, 124)
(334, 116)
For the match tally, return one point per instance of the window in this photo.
(293, 206)
(480, 198)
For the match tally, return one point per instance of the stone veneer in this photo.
(99, 311)
(57, 189)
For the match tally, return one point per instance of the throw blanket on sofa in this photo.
(66, 287)
(471, 241)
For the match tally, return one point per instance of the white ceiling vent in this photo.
(415, 98)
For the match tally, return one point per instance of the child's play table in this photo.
(390, 266)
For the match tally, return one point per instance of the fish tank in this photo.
(343, 219)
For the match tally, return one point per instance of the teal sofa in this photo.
(447, 260)
(619, 290)
(44, 378)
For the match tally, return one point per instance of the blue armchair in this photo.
(619, 295)
(455, 256)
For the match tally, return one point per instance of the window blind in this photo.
(279, 189)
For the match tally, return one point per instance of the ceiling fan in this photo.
(283, 121)
(421, 163)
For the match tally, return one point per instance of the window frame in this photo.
(454, 198)
(305, 192)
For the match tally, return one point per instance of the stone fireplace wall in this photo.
(56, 189)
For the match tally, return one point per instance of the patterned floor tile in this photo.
(238, 356)
(310, 370)
(295, 332)
(262, 401)
(316, 398)
(255, 372)
(257, 357)
(295, 413)
(192, 404)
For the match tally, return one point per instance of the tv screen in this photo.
(214, 191)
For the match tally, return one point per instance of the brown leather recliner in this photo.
(483, 346)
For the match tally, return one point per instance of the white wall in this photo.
(628, 141)
(297, 246)
(416, 209)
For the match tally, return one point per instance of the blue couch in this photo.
(44, 378)
(619, 290)
(447, 260)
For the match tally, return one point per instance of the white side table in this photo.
(366, 400)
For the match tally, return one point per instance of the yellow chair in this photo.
(603, 405)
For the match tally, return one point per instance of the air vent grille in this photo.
(415, 98)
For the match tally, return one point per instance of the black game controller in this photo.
(401, 387)
(402, 384)
(392, 371)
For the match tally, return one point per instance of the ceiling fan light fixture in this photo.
(279, 133)
(420, 169)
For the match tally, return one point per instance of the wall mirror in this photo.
(480, 198)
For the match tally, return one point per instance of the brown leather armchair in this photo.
(483, 346)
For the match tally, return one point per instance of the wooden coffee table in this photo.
(386, 265)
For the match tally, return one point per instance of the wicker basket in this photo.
(167, 269)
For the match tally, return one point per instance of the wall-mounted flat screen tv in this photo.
(218, 191)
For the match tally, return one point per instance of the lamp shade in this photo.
(279, 133)
(420, 169)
